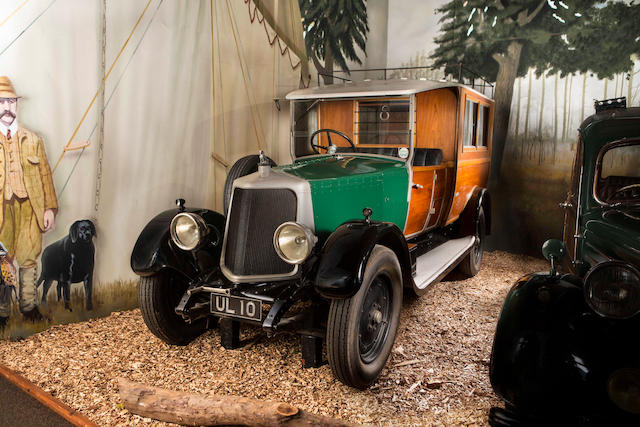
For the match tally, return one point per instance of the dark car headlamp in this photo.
(624, 389)
(188, 230)
(612, 289)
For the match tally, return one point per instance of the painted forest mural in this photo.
(549, 61)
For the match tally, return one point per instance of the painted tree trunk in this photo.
(541, 120)
(584, 94)
(517, 130)
(555, 117)
(328, 64)
(508, 69)
(526, 119)
(567, 103)
(630, 87)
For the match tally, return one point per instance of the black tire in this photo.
(243, 167)
(471, 264)
(158, 296)
(358, 350)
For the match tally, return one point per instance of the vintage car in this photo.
(386, 194)
(566, 349)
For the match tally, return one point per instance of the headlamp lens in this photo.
(187, 230)
(612, 289)
(293, 242)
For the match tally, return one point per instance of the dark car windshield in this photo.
(618, 179)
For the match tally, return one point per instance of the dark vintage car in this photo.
(567, 346)
(386, 194)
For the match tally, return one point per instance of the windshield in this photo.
(373, 126)
(618, 174)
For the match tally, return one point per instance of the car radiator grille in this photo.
(254, 217)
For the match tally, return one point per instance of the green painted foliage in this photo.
(333, 29)
(558, 36)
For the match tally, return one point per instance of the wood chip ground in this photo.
(437, 373)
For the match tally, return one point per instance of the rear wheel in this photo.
(243, 167)
(361, 329)
(158, 295)
(471, 264)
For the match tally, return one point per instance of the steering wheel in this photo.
(624, 193)
(315, 147)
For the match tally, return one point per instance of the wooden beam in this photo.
(45, 398)
(198, 410)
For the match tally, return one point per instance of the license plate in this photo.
(240, 307)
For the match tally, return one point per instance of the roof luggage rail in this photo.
(477, 81)
(610, 104)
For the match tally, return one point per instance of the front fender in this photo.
(344, 256)
(551, 352)
(154, 251)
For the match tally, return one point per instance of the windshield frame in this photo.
(598, 171)
(317, 101)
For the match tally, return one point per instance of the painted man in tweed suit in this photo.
(29, 199)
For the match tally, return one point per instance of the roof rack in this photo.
(477, 81)
(610, 104)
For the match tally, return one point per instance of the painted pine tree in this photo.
(332, 31)
(502, 40)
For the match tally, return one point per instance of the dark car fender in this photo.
(345, 253)
(480, 197)
(154, 251)
(551, 353)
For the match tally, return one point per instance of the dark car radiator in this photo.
(254, 217)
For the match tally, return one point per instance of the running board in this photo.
(432, 266)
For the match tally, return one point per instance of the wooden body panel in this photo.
(336, 115)
(421, 199)
(436, 118)
(473, 162)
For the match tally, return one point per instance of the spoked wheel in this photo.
(374, 319)
(158, 296)
(471, 264)
(361, 329)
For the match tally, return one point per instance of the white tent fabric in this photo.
(168, 117)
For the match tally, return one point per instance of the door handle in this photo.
(565, 205)
(417, 186)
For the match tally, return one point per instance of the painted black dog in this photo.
(70, 260)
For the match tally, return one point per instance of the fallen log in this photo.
(201, 410)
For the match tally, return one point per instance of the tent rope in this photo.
(84, 116)
(245, 78)
(26, 28)
(115, 88)
(14, 12)
(225, 147)
(256, 15)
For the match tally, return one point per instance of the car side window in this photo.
(476, 121)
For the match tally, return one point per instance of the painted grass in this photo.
(107, 298)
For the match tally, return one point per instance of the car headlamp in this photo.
(293, 242)
(624, 389)
(188, 230)
(612, 289)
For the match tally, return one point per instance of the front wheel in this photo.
(158, 295)
(361, 329)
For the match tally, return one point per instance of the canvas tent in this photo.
(192, 90)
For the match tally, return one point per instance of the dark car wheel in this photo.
(244, 166)
(158, 295)
(361, 329)
(471, 264)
